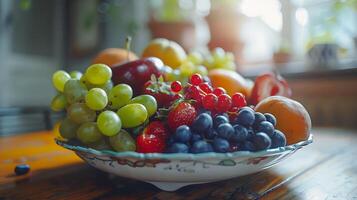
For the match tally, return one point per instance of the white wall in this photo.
(25, 79)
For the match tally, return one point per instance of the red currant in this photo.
(224, 103)
(198, 96)
(210, 101)
(238, 100)
(219, 91)
(196, 79)
(206, 88)
(176, 86)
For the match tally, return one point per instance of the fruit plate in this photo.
(170, 172)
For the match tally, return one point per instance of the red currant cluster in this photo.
(213, 99)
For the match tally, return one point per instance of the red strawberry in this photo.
(269, 85)
(150, 143)
(157, 128)
(183, 114)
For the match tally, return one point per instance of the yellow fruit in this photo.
(113, 56)
(171, 53)
(231, 81)
(292, 118)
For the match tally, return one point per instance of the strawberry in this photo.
(157, 128)
(182, 114)
(160, 90)
(269, 84)
(150, 143)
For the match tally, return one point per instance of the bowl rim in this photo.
(186, 156)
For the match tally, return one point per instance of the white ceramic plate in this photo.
(170, 172)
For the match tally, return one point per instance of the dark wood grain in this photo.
(327, 169)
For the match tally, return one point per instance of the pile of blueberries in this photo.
(249, 131)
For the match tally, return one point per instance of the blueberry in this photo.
(261, 141)
(201, 146)
(246, 108)
(270, 118)
(240, 133)
(219, 119)
(220, 145)
(266, 127)
(248, 146)
(259, 117)
(202, 123)
(250, 134)
(183, 134)
(177, 148)
(211, 133)
(278, 139)
(22, 169)
(200, 111)
(225, 131)
(195, 137)
(170, 141)
(245, 117)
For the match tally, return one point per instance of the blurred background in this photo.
(313, 44)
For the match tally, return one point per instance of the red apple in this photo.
(137, 73)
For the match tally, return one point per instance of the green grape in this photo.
(80, 113)
(120, 95)
(76, 74)
(202, 70)
(229, 65)
(195, 57)
(84, 81)
(89, 133)
(122, 141)
(59, 102)
(59, 79)
(173, 75)
(187, 69)
(148, 101)
(68, 129)
(98, 74)
(109, 123)
(107, 86)
(229, 56)
(218, 54)
(102, 144)
(209, 62)
(132, 115)
(75, 91)
(96, 99)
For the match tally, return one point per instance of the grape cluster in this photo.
(249, 131)
(218, 58)
(98, 112)
(201, 64)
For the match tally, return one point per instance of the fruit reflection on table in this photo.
(170, 102)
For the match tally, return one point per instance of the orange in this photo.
(171, 53)
(292, 118)
(231, 81)
(112, 56)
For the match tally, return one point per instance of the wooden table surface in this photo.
(326, 169)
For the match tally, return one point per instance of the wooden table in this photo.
(327, 169)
